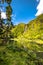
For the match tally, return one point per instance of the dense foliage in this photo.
(22, 44)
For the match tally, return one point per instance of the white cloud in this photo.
(39, 8)
(3, 15)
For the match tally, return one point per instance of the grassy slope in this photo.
(31, 34)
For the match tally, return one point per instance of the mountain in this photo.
(27, 34)
(34, 29)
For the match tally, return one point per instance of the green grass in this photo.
(21, 54)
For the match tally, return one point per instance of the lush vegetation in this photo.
(25, 47)
(20, 44)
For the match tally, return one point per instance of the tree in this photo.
(5, 26)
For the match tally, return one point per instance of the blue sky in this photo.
(23, 10)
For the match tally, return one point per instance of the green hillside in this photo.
(34, 29)
(26, 47)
